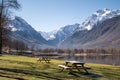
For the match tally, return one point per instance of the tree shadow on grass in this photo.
(92, 75)
(37, 74)
(19, 62)
(22, 63)
(8, 76)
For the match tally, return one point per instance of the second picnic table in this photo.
(44, 58)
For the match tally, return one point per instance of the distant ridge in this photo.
(105, 35)
(86, 31)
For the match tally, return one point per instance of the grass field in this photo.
(13, 67)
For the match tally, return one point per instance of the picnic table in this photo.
(74, 65)
(44, 58)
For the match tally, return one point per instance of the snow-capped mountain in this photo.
(54, 37)
(24, 32)
(95, 19)
(48, 35)
(105, 35)
(98, 17)
(66, 31)
(93, 28)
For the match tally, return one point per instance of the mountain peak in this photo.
(102, 11)
(98, 17)
(106, 9)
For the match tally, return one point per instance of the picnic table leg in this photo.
(66, 64)
(44, 59)
(61, 69)
(48, 60)
(75, 65)
(84, 68)
(70, 70)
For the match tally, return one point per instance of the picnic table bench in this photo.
(74, 65)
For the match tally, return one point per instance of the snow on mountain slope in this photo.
(98, 17)
(62, 32)
(67, 30)
(54, 37)
(48, 35)
(93, 28)
(20, 27)
(95, 19)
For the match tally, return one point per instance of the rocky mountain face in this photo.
(98, 17)
(55, 37)
(103, 35)
(24, 32)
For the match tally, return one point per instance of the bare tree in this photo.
(5, 11)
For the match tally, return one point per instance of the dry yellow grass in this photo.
(13, 67)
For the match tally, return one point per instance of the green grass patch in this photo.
(13, 67)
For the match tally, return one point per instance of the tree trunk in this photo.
(1, 27)
(0, 40)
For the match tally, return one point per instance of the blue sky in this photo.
(48, 15)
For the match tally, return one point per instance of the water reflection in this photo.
(102, 59)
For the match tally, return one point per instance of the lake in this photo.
(100, 59)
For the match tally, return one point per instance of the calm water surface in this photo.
(101, 59)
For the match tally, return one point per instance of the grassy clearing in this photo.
(14, 67)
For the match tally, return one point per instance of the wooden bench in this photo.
(65, 67)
